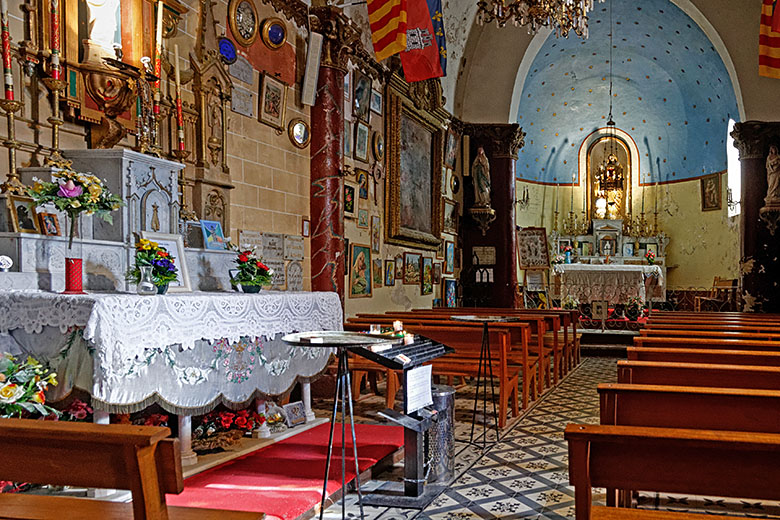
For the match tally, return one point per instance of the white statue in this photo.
(480, 172)
(773, 177)
(102, 25)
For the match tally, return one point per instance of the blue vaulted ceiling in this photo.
(671, 93)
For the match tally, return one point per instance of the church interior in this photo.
(389, 259)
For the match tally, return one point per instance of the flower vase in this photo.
(74, 274)
(251, 289)
(145, 286)
(568, 257)
(162, 289)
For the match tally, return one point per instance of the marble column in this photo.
(501, 143)
(760, 240)
(327, 128)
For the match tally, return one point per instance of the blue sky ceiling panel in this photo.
(671, 93)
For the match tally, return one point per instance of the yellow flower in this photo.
(74, 203)
(38, 187)
(94, 192)
(10, 393)
(52, 379)
(147, 245)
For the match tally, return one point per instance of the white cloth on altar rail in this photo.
(612, 282)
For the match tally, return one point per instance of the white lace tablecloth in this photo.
(187, 352)
(614, 283)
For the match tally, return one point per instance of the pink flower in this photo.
(70, 190)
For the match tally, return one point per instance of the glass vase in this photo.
(145, 285)
(74, 274)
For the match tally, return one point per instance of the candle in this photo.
(158, 53)
(55, 39)
(398, 326)
(375, 328)
(584, 197)
(557, 196)
(408, 339)
(179, 112)
(656, 197)
(8, 76)
(571, 204)
(643, 199)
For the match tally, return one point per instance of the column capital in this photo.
(341, 34)
(753, 138)
(501, 140)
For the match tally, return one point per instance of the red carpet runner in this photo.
(284, 480)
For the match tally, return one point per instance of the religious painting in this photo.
(376, 101)
(347, 142)
(50, 224)
(360, 271)
(174, 244)
(213, 238)
(399, 267)
(449, 257)
(273, 97)
(362, 133)
(24, 218)
(412, 268)
(628, 249)
(437, 273)
(532, 249)
(362, 180)
(563, 243)
(450, 214)
(451, 149)
(710, 192)
(427, 276)
(450, 292)
(362, 221)
(652, 248)
(607, 246)
(389, 273)
(377, 271)
(376, 231)
(350, 199)
(415, 148)
(440, 250)
(361, 98)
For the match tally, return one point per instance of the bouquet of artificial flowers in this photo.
(23, 386)
(151, 254)
(650, 257)
(251, 269)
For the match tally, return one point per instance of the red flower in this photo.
(241, 422)
(226, 419)
(162, 254)
(261, 265)
(243, 257)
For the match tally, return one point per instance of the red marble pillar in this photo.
(327, 239)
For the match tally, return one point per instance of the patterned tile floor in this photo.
(525, 475)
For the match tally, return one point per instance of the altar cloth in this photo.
(612, 282)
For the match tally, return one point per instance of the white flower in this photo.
(271, 271)
(10, 393)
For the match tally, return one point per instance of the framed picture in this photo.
(710, 192)
(50, 224)
(306, 228)
(347, 87)
(362, 133)
(436, 273)
(376, 231)
(360, 271)
(440, 250)
(427, 276)
(174, 244)
(389, 273)
(362, 220)
(599, 309)
(414, 177)
(213, 238)
(450, 214)
(361, 96)
(295, 412)
(362, 180)
(449, 257)
(652, 248)
(412, 268)
(532, 251)
(377, 271)
(376, 101)
(347, 139)
(273, 99)
(399, 267)
(451, 149)
(24, 218)
(607, 246)
(378, 146)
(450, 292)
(628, 249)
(350, 199)
(346, 257)
(563, 243)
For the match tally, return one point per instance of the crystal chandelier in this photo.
(560, 15)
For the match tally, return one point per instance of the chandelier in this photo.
(560, 15)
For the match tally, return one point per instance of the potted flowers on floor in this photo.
(634, 308)
(154, 269)
(251, 273)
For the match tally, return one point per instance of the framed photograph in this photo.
(436, 273)
(362, 220)
(24, 218)
(710, 192)
(376, 232)
(361, 96)
(347, 142)
(414, 177)
(427, 276)
(532, 251)
(306, 228)
(213, 238)
(350, 199)
(451, 149)
(412, 268)
(377, 271)
(599, 309)
(174, 244)
(628, 249)
(50, 224)
(449, 257)
(295, 413)
(389, 273)
(376, 101)
(399, 267)
(652, 247)
(362, 133)
(450, 214)
(362, 180)
(273, 99)
(360, 271)
(450, 292)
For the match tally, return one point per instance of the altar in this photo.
(614, 283)
(186, 352)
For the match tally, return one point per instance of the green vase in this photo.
(162, 289)
(251, 289)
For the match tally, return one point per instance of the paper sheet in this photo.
(418, 388)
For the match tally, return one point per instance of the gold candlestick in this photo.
(185, 213)
(55, 159)
(12, 183)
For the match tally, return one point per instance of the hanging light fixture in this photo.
(560, 15)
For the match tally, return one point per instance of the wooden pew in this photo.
(702, 355)
(720, 334)
(706, 343)
(142, 459)
(738, 327)
(698, 374)
(671, 460)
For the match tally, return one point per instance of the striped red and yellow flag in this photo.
(388, 27)
(769, 41)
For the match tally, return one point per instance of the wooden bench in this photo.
(720, 334)
(705, 462)
(702, 355)
(698, 374)
(142, 459)
(738, 327)
(706, 343)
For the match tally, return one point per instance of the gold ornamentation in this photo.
(265, 32)
(243, 21)
(561, 16)
(292, 9)
(342, 36)
(299, 133)
(12, 183)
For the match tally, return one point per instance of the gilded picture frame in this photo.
(711, 199)
(273, 102)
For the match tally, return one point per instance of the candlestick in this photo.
(8, 77)
(12, 183)
(179, 111)
(557, 196)
(55, 39)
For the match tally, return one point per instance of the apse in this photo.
(671, 94)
